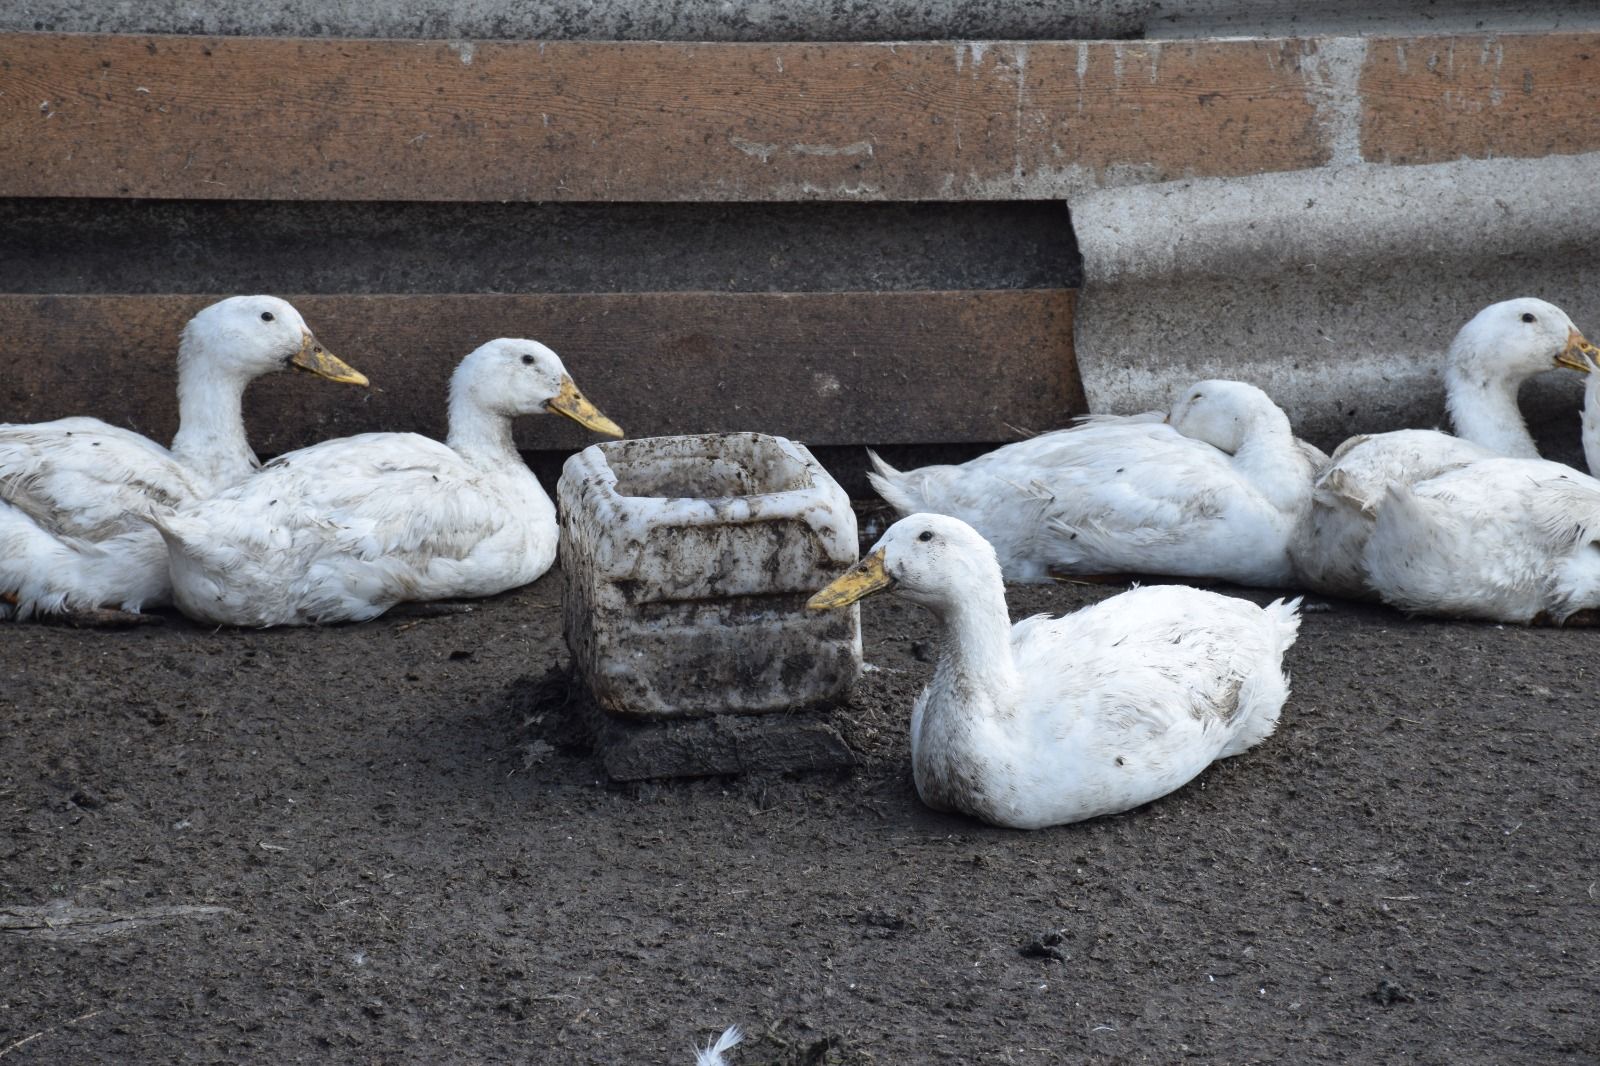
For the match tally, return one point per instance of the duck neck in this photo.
(1591, 422)
(211, 441)
(1271, 461)
(1483, 409)
(481, 436)
(976, 665)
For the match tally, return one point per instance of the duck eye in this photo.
(527, 360)
(1527, 316)
(266, 316)
(926, 534)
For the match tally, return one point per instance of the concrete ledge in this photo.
(1263, 225)
(792, 20)
(1337, 289)
(622, 20)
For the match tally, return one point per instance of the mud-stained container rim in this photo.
(653, 468)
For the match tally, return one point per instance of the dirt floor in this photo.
(383, 843)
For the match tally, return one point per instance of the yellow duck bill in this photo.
(858, 582)
(576, 406)
(1577, 353)
(314, 357)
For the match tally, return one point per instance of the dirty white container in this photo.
(688, 561)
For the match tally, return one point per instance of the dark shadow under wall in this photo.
(223, 247)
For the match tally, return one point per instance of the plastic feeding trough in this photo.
(687, 562)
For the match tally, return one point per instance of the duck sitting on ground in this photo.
(1056, 720)
(346, 529)
(1489, 359)
(1215, 491)
(72, 491)
(1504, 540)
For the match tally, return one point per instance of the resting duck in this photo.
(1504, 345)
(345, 529)
(1507, 540)
(1055, 720)
(72, 491)
(1215, 491)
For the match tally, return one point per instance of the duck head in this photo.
(247, 336)
(1515, 339)
(512, 377)
(1224, 413)
(930, 559)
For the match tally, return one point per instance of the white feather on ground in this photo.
(711, 1054)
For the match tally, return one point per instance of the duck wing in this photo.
(82, 478)
(1330, 546)
(388, 496)
(1363, 467)
(1503, 539)
(1125, 701)
(1148, 660)
(1093, 497)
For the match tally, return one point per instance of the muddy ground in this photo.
(382, 843)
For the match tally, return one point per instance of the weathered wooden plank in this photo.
(284, 118)
(1431, 100)
(827, 368)
(276, 118)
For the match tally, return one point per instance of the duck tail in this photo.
(711, 1054)
(891, 485)
(1285, 618)
(184, 534)
(44, 574)
(166, 522)
(1266, 689)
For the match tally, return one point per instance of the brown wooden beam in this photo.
(284, 118)
(1431, 100)
(825, 368)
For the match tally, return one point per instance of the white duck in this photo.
(1216, 491)
(72, 491)
(1508, 540)
(1493, 354)
(1055, 720)
(345, 529)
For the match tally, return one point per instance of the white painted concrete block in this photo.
(687, 563)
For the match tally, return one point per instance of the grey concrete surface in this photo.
(792, 20)
(1337, 290)
(1265, 225)
(1295, 18)
(177, 246)
(669, 20)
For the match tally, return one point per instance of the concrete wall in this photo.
(1337, 289)
(792, 20)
